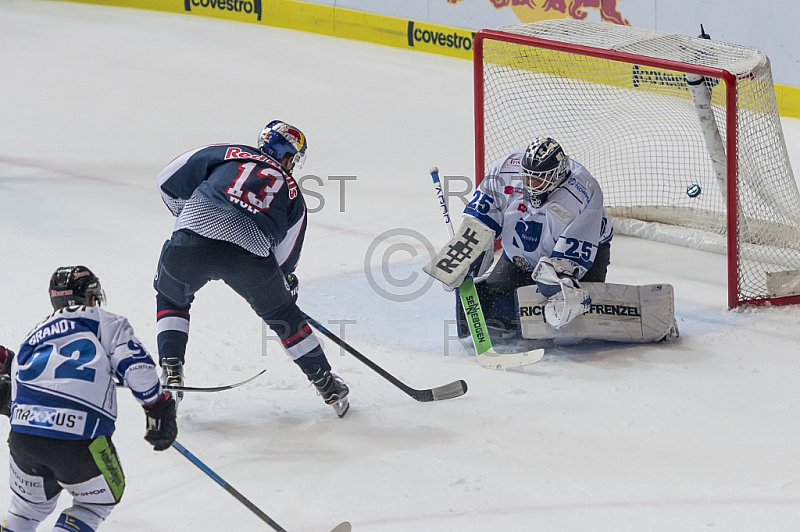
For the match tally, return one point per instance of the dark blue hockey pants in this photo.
(189, 261)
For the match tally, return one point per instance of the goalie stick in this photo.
(487, 356)
(341, 527)
(447, 391)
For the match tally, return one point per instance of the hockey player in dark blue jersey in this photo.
(241, 218)
(64, 408)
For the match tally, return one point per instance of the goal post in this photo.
(682, 133)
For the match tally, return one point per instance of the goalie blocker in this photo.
(617, 313)
(464, 255)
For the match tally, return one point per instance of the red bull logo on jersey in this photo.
(238, 153)
(237, 6)
(534, 11)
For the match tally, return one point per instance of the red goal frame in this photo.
(730, 79)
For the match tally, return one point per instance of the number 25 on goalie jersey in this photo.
(64, 384)
(569, 222)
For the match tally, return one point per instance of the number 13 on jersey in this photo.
(256, 193)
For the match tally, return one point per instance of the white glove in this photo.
(570, 300)
(566, 305)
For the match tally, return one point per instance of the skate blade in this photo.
(178, 394)
(341, 407)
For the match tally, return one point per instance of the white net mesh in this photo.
(637, 129)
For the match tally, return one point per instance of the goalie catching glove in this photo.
(556, 279)
(468, 253)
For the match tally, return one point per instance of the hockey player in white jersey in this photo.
(547, 209)
(64, 408)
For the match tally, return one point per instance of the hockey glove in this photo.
(6, 357)
(162, 426)
(292, 283)
(555, 279)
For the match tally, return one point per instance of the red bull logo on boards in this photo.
(529, 11)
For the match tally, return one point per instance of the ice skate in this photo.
(332, 389)
(172, 375)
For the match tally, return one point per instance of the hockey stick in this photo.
(341, 527)
(174, 388)
(212, 388)
(448, 391)
(7, 378)
(487, 356)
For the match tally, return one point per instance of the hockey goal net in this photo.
(702, 164)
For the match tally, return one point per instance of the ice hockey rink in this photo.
(697, 435)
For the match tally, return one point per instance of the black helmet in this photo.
(74, 285)
(544, 166)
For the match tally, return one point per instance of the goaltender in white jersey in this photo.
(569, 222)
(547, 210)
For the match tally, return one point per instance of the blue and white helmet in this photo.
(544, 166)
(279, 138)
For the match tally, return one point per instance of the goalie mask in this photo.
(74, 285)
(543, 167)
(279, 139)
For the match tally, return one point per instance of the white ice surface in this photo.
(693, 436)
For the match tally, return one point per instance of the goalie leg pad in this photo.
(618, 313)
(452, 264)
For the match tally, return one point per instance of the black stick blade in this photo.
(448, 391)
